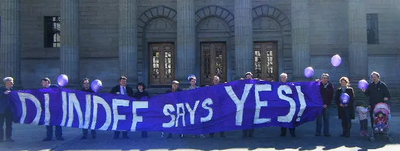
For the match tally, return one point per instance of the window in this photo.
(372, 29)
(52, 31)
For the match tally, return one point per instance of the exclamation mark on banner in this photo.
(302, 103)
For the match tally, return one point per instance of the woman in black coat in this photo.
(141, 92)
(345, 110)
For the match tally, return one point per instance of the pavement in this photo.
(29, 137)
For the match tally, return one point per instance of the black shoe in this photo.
(60, 138)
(343, 135)
(83, 137)
(327, 135)
(46, 139)
(223, 136)
(317, 134)
(181, 136)
(9, 140)
(94, 136)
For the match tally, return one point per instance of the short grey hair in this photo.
(325, 75)
(283, 75)
(6, 79)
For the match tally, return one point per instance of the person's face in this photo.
(324, 79)
(216, 81)
(140, 88)
(343, 83)
(45, 84)
(9, 84)
(375, 78)
(175, 86)
(249, 76)
(122, 82)
(193, 82)
(85, 84)
(284, 78)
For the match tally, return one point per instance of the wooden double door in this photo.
(162, 56)
(213, 62)
(265, 61)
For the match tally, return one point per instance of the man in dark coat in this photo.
(6, 115)
(141, 92)
(122, 89)
(46, 83)
(378, 92)
(86, 88)
(326, 89)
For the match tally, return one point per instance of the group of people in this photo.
(377, 92)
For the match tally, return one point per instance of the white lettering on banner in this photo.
(47, 109)
(288, 117)
(73, 103)
(137, 105)
(167, 109)
(239, 102)
(192, 111)
(303, 104)
(64, 108)
(205, 104)
(26, 96)
(87, 111)
(96, 102)
(117, 117)
(259, 103)
(180, 112)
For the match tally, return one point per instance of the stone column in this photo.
(300, 37)
(127, 50)
(10, 48)
(244, 53)
(358, 54)
(69, 51)
(186, 41)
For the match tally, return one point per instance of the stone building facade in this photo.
(155, 41)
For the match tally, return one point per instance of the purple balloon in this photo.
(62, 80)
(96, 85)
(336, 60)
(308, 72)
(363, 84)
(344, 98)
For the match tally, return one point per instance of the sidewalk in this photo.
(29, 137)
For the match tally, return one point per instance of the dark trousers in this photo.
(248, 132)
(371, 115)
(86, 131)
(49, 131)
(291, 131)
(346, 122)
(364, 125)
(7, 119)
(124, 134)
(324, 116)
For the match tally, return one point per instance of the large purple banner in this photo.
(236, 105)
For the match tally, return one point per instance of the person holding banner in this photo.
(248, 132)
(6, 115)
(192, 80)
(122, 89)
(284, 79)
(326, 90)
(174, 88)
(46, 83)
(345, 105)
(86, 88)
(216, 82)
(377, 92)
(141, 92)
